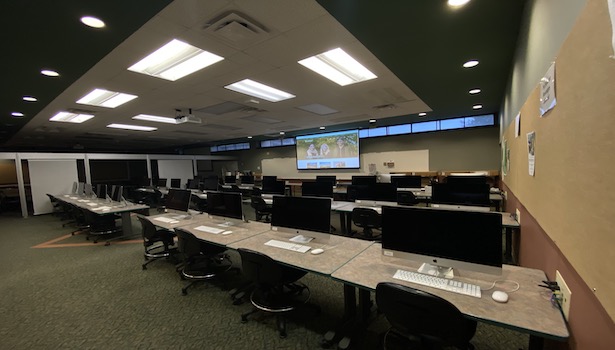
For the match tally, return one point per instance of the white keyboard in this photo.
(439, 282)
(167, 220)
(288, 246)
(208, 229)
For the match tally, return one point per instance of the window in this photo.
(277, 142)
(424, 127)
(455, 123)
(399, 129)
(382, 131)
(230, 147)
(479, 120)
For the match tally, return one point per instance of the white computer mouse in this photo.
(317, 251)
(499, 296)
(227, 232)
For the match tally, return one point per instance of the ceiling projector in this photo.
(188, 118)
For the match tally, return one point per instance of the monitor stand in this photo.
(435, 270)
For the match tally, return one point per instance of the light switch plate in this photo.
(566, 294)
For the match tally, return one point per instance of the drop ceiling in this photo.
(416, 48)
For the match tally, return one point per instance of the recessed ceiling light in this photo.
(175, 60)
(249, 137)
(338, 66)
(474, 91)
(477, 106)
(457, 3)
(30, 98)
(17, 114)
(470, 64)
(92, 22)
(155, 118)
(105, 98)
(50, 73)
(68, 117)
(322, 128)
(256, 89)
(372, 120)
(282, 132)
(422, 114)
(131, 127)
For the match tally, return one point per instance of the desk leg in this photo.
(508, 253)
(350, 311)
(343, 223)
(126, 224)
(536, 343)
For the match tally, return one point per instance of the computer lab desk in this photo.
(528, 310)
(104, 207)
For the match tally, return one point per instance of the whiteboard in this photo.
(175, 169)
(415, 160)
(50, 176)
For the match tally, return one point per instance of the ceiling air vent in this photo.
(236, 29)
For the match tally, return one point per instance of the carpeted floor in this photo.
(97, 297)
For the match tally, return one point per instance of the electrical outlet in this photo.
(518, 216)
(566, 294)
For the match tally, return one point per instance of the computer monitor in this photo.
(461, 194)
(118, 194)
(74, 189)
(305, 216)
(407, 181)
(375, 194)
(101, 191)
(193, 184)
(268, 179)
(363, 179)
(332, 179)
(88, 191)
(80, 188)
(178, 199)
(161, 183)
(443, 239)
(230, 179)
(226, 204)
(466, 179)
(176, 183)
(275, 187)
(246, 179)
(317, 189)
(209, 183)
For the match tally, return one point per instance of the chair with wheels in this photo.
(406, 198)
(368, 219)
(201, 261)
(157, 242)
(418, 316)
(261, 209)
(276, 290)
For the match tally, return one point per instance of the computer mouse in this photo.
(226, 232)
(499, 296)
(317, 251)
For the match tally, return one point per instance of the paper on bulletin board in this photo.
(612, 13)
(547, 91)
(531, 148)
(518, 125)
(504, 157)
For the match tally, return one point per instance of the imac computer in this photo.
(466, 179)
(332, 179)
(74, 189)
(317, 189)
(176, 183)
(246, 179)
(101, 191)
(193, 184)
(468, 195)
(161, 183)
(230, 180)
(178, 200)
(408, 181)
(88, 191)
(376, 194)
(307, 217)
(227, 205)
(209, 183)
(363, 180)
(274, 187)
(443, 240)
(80, 188)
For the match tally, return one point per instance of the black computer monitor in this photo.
(268, 179)
(466, 179)
(87, 190)
(275, 187)
(74, 189)
(246, 179)
(101, 191)
(226, 204)
(118, 193)
(176, 183)
(193, 184)
(210, 183)
(363, 179)
(161, 183)
(301, 215)
(178, 199)
(332, 179)
(317, 189)
(382, 192)
(407, 181)
(230, 179)
(80, 188)
(461, 194)
(444, 238)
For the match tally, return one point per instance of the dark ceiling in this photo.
(421, 41)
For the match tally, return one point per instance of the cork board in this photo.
(572, 194)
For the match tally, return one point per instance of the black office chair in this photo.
(201, 261)
(77, 218)
(157, 242)
(406, 198)
(416, 315)
(100, 225)
(276, 288)
(368, 219)
(261, 209)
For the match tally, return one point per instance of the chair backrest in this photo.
(406, 198)
(414, 312)
(366, 218)
(260, 268)
(148, 229)
(187, 243)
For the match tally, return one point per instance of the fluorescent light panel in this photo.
(105, 98)
(338, 66)
(155, 118)
(132, 127)
(256, 89)
(175, 60)
(68, 117)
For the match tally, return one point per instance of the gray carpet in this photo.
(97, 297)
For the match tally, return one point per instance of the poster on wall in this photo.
(612, 13)
(531, 147)
(547, 91)
(504, 158)
(518, 125)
